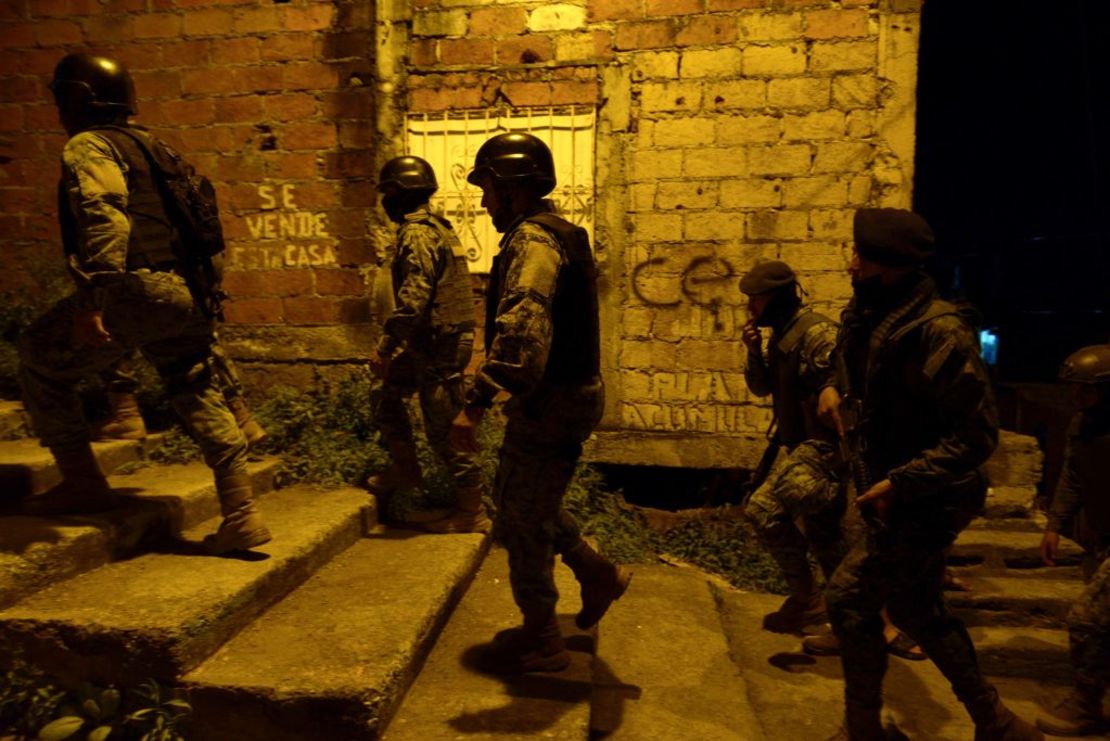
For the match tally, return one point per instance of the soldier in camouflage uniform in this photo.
(542, 347)
(1082, 505)
(803, 484)
(921, 421)
(120, 252)
(425, 347)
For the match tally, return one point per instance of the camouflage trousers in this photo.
(1089, 628)
(440, 389)
(154, 314)
(121, 377)
(903, 569)
(803, 486)
(537, 462)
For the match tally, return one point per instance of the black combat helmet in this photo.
(1090, 364)
(84, 81)
(407, 173)
(515, 156)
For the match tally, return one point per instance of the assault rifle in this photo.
(853, 445)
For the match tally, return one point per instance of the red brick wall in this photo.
(273, 100)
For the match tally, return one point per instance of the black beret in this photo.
(892, 236)
(766, 277)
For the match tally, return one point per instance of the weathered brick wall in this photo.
(728, 131)
(273, 100)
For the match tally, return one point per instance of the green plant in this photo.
(27, 699)
(94, 706)
(158, 718)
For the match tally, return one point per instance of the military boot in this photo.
(537, 646)
(403, 471)
(250, 428)
(996, 722)
(1078, 714)
(601, 582)
(468, 516)
(83, 489)
(124, 422)
(242, 527)
(805, 607)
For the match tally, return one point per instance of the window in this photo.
(450, 140)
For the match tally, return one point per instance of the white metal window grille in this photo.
(450, 140)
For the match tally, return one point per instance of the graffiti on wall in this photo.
(706, 281)
(299, 234)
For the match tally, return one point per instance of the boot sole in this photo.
(623, 578)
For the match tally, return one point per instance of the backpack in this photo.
(189, 200)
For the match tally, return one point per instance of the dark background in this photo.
(1011, 169)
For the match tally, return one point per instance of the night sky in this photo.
(1012, 160)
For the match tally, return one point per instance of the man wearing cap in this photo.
(1081, 505)
(911, 385)
(803, 483)
(543, 348)
(425, 347)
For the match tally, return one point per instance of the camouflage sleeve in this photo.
(518, 355)
(1066, 501)
(418, 247)
(756, 374)
(818, 344)
(959, 389)
(96, 185)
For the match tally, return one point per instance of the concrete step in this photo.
(658, 646)
(1031, 571)
(451, 699)
(1013, 549)
(27, 468)
(36, 552)
(14, 423)
(796, 696)
(1004, 502)
(161, 614)
(1037, 653)
(334, 658)
(1032, 522)
(1011, 601)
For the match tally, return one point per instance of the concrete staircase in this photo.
(343, 629)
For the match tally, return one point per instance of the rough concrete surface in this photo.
(453, 700)
(999, 548)
(800, 697)
(1003, 599)
(28, 468)
(162, 613)
(333, 659)
(663, 668)
(38, 551)
(13, 420)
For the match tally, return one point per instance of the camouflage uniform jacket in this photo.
(793, 372)
(1084, 484)
(927, 417)
(526, 273)
(431, 284)
(94, 188)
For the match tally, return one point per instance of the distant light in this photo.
(988, 346)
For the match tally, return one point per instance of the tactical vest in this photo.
(150, 243)
(794, 406)
(575, 356)
(452, 302)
